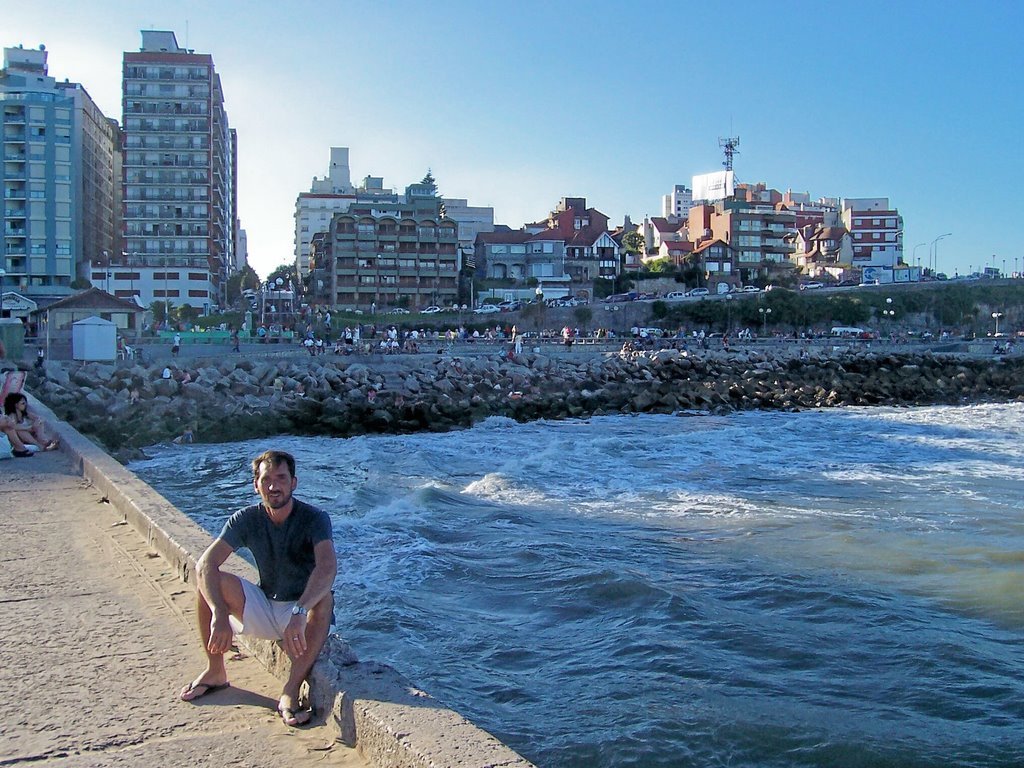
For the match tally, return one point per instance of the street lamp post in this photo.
(996, 316)
(764, 312)
(889, 314)
(934, 249)
(3, 274)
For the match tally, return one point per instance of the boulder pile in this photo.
(126, 408)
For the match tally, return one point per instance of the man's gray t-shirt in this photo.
(283, 553)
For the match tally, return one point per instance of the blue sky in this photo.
(518, 104)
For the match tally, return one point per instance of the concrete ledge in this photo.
(366, 705)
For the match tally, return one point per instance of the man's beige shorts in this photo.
(262, 617)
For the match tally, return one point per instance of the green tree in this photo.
(430, 181)
(159, 310)
(187, 313)
(583, 315)
(286, 272)
(240, 281)
(634, 243)
(661, 266)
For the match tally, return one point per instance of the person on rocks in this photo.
(293, 546)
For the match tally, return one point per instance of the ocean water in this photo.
(841, 587)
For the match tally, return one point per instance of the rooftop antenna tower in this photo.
(729, 148)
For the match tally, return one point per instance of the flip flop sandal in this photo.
(209, 689)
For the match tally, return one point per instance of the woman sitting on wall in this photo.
(28, 427)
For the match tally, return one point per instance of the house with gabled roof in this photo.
(823, 250)
(717, 259)
(56, 319)
(676, 251)
(564, 254)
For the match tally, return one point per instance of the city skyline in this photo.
(517, 108)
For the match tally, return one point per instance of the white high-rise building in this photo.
(314, 209)
(676, 205)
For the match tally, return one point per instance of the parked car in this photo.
(675, 296)
(811, 286)
(487, 309)
(510, 306)
(431, 310)
(698, 292)
(398, 311)
(750, 289)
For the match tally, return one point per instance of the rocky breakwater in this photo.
(126, 408)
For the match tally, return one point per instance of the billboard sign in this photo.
(713, 186)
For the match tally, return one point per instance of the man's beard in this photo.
(282, 500)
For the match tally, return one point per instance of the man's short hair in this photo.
(275, 459)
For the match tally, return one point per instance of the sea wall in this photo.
(365, 704)
(128, 407)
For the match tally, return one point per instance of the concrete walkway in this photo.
(97, 637)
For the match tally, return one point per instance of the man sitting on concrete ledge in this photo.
(293, 546)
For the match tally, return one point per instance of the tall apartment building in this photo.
(876, 230)
(676, 205)
(60, 194)
(179, 177)
(335, 193)
(759, 237)
(404, 255)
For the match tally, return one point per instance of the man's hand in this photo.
(295, 636)
(220, 634)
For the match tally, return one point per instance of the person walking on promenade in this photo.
(293, 546)
(175, 345)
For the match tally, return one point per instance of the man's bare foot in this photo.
(198, 688)
(291, 715)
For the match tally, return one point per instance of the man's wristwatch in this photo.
(298, 610)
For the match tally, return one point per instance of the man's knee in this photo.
(231, 590)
